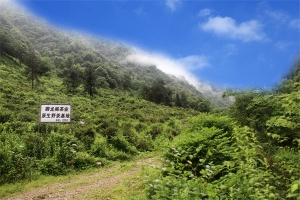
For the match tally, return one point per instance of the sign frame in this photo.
(55, 113)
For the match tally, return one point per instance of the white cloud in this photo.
(205, 12)
(295, 23)
(282, 45)
(172, 4)
(281, 17)
(226, 26)
(193, 62)
(230, 49)
(278, 15)
(179, 67)
(140, 11)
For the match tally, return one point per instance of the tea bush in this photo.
(34, 145)
(215, 159)
(15, 165)
(113, 125)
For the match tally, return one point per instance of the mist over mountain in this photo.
(114, 63)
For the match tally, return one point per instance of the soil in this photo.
(67, 190)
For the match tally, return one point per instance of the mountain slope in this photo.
(60, 50)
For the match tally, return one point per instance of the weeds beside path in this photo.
(122, 181)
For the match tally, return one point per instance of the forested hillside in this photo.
(251, 154)
(118, 111)
(113, 125)
(70, 56)
(248, 150)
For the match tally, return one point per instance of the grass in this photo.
(130, 186)
(129, 183)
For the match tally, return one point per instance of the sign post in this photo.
(55, 113)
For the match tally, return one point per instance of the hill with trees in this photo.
(253, 153)
(71, 56)
(113, 115)
(250, 150)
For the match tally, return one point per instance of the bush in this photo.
(110, 131)
(86, 136)
(51, 166)
(120, 143)
(60, 154)
(83, 161)
(103, 149)
(209, 162)
(4, 115)
(14, 165)
(155, 130)
(144, 142)
(34, 145)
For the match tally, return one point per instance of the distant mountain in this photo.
(21, 33)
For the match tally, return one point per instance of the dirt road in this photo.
(83, 186)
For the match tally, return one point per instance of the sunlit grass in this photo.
(131, 183)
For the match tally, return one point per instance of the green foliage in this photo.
(214, 160)
(284, 127)
(73, 78)
(155, 130)
(204, 106)
(61, 151)
(120, 143)
(15, 165)
(90, 81)
(85, 135)
(34, 145)
(5, 115)
(295, 190)
(103, 149)
(158, 93)
(209, 156)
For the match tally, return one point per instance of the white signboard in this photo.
(55, 113)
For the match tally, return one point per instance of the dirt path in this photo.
(82, 185)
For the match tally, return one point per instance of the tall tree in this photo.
(126, 81)
(3, 42)
(90, 81)
(178, 101)
(158, 93)
(204, 105)
(184, 101)
(73, 78)
(32, 70)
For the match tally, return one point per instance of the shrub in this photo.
(140, 127)
(60, 154)
(14, 165)
(155, 130)
(34, 145)
(103, 149)
(86, 136)
(110, 131)
(4, 115)
(144, 142)
(83, 161)
(206, 162)
(122, 144)
(51, 166)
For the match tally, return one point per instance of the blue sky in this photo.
(238, 44)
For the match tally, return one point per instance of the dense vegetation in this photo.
(110, 119)
(89, 62)
(114, 125)
(251, 154)
(250, 150)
